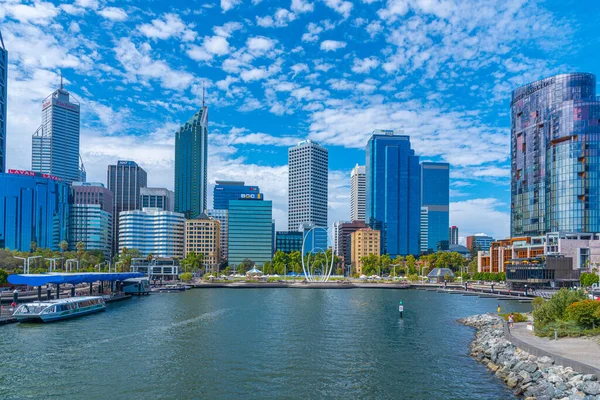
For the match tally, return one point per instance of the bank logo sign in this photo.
(251, 196)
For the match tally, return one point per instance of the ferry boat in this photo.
(173, 288)
(136, 285)
(55, 310)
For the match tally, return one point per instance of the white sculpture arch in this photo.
(309, 268)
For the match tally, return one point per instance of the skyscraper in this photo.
(191, 157)
(453, 235)
(55, 144)
(3, 102)
(91, 218)
(125, 181)
(307, 185)
(231, 190)
(393, 192)
(435, 196)
(153, 231)
(250, 231)
(157, 198)
(555, 164)
(357, 193)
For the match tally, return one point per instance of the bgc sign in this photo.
(251, 196)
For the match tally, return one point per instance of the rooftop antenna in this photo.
(202, 94)
(61, 81)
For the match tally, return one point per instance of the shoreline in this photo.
(530, 376)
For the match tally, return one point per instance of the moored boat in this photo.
(173, 288)
(55, 310)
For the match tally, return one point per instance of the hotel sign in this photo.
(21, 172)
(63, 104)
(52, 177)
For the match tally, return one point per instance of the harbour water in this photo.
(256, 343)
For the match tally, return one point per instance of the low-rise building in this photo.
(480, 242)
(203, 236)
(288, 242)
(365, 242)
(152, 231)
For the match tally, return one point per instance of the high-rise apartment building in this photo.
(91, 218)
(250, 231)
(232, 190)
(222, 217)
(344, 242)
(3, 102)
(357, 193)
(203, 236)
(435, 197)
(555, 166)
(365, 242)
(393, 192)
(125, 181)
(153, 231)
(55, 144)
(191, 158)
(157, 198)
(453, 235)
(307, 185)
(33, 208)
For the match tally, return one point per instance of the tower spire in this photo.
(61, 81)
(202, 94)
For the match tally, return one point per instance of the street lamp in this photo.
(53, 263)
(395, 265)
(121, 262)
(422, 277)
(70, 267)
(24, 263)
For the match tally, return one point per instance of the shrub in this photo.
(588, 280)
(186, 276)
(554, 309)
(518, 317)
(584, 312)
(413, 277)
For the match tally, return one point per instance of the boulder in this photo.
(590, 387)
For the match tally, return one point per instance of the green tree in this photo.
(281, 262)
(193, 262)
(588, 279)
(186, 277)
(370, 264)
(554, 309)
(411, 264)
(584, 312)
(473, 251)
(245, 266)
(3, 277)
(33, 247)
(385, 261)
(399, 266)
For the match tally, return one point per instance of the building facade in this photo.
(91, 218)
(203, 236)
(393, 192)
(33, 208)
(307, 185)
(288, 242)
(250, 231)
(3, 102)
(365, 242)
(481, 242)
(453, 235)
(191, 163)
(55, 144)
(222, 216)
(358, 195)
(435, 196)
(124, 180)
(153, 231)
(232, 190)
(555, 162)
(157, 198)
(344, 240)
(424, 233)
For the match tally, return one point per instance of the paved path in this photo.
(582, 350)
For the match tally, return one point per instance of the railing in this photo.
(6, 311)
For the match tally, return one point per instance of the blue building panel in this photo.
(33, 209)
(250, 231)
(393, 193)
(435, 195)
(225, 191)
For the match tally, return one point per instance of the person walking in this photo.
(511, 320)
(498, 308)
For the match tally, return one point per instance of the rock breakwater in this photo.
(530, 376)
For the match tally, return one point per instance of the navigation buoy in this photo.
(401, 308)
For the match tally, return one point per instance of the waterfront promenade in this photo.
(582, 354)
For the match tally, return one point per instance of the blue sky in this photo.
(279, 72)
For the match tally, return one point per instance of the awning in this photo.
(44, 279)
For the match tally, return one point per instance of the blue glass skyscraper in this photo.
(232, 190)
(3, 101)
(393, 192)
(33, 208)
(435, 198)
(250, 231)
(191, 157)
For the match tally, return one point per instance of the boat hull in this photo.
(60, 317)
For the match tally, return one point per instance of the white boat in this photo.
(55, 310)
(136, 285)
(173, 288)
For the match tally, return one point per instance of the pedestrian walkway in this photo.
(577, 353)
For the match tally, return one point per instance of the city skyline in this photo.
(474, 89)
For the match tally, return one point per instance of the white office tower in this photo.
(307, 185)
(55, 144)
(358, 193)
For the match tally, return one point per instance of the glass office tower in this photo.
(555, 156)
(91, 218)
(393, 192)
(435, 196)
(250, 231)
(33, 209)
(231, 190)
(191, 157)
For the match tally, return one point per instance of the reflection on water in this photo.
(255, 343)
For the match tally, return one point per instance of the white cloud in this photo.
(227, 29)
(332, 45)
(302, 6)
(260, 44)
(93, 4)
(340, 6)
(469, 214)
(227, 5)
(113, 13)
(282, 17)
(40, 12)
(167, 26)
(365, 65)
(217, 45)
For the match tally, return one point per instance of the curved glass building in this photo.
(555, 156)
